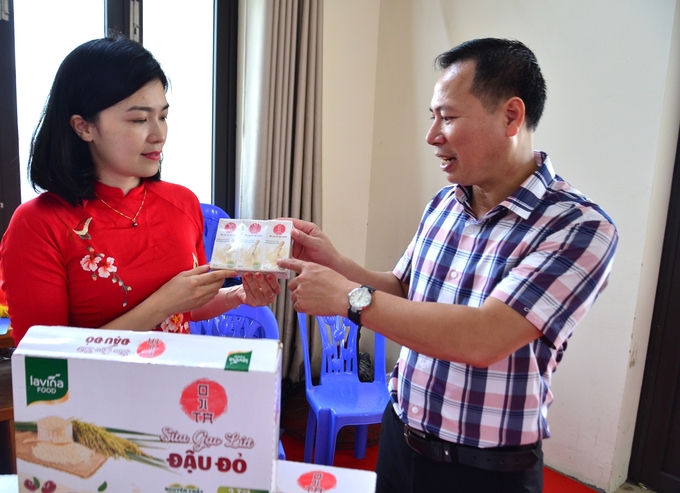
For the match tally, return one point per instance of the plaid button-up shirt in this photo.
(546, 251)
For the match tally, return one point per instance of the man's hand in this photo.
(317, 290)
(312, 245)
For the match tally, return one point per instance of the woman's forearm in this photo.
(226, 299)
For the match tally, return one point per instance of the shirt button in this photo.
(414, 410)
(453, 274)
(470, 230)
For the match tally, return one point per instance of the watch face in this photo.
(360, 298)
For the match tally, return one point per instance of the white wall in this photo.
(349, 64)
(610, 127)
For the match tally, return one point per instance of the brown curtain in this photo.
(280, 166)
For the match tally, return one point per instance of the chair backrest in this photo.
(339, 348)
(211, 220)
(249, 322)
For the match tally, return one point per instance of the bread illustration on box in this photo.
(73, 446)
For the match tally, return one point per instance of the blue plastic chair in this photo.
(340, 398)
(211, 219)
(248, 322)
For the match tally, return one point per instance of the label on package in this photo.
(246, 245)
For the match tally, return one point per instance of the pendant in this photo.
(134, 224)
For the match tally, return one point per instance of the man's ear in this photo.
(82, 128)
(514, 113)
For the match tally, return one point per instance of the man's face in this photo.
(468, 139)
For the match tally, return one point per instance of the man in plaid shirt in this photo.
(504, 264)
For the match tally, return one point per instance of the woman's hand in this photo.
(191, 289)
(186, 292)
(259, 289)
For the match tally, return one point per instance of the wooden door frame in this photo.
(648, 440)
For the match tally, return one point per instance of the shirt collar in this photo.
(109, 193)
(529, 193)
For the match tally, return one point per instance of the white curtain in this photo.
(280, 146)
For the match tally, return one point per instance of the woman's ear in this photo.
(82, 128)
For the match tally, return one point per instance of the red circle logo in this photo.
(255, 228)
(318, 481)
(151, 348)
(279, 229)
(204, 400)
(230, 227)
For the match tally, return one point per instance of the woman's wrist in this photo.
(232, 299)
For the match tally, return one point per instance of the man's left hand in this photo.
(317, 290)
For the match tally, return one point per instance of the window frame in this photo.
(10, 180)
(225, 84)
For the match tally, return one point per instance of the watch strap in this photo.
(355, 315)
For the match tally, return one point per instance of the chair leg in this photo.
(332, 441)
(309, 436)
(323, 432)
(360, 439)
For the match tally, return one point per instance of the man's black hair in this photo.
(503, 68)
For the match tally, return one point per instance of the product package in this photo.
(120, 411)
(246, 245)
(299, 477)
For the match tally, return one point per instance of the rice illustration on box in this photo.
(248, 245)
(113, 411)
(74, 446)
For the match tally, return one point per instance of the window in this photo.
(181, 39)
(197, 49)
(45, 32)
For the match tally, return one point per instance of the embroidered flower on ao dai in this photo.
(108, 267)
(175, 323)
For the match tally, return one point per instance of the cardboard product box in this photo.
(248, 245)
(299, 477)
(119, 411)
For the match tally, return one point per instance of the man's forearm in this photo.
(382, 281)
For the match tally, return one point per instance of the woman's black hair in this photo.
(95, 76)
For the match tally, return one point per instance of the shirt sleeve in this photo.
(34, 274)
(557, 283)
(402, 270)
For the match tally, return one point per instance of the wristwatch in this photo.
(359, 299)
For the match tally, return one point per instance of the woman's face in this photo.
(126, 140)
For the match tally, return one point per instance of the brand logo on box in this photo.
(239, 361)
(151, 348)
(178, 488)
(46, 380)
(226, 489)
(317, 481)
(204, 400)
